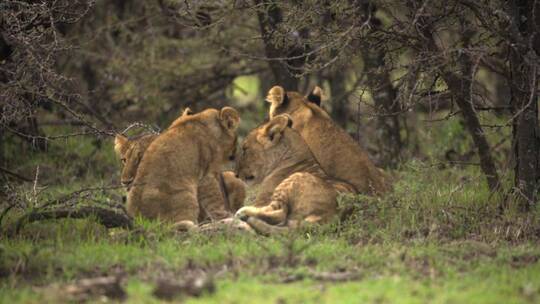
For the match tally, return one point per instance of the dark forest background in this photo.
(440, 83)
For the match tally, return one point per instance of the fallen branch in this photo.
(108, 217)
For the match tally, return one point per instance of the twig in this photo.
(141, 125)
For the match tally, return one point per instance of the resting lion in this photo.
(294, 188)
(175, 163)
(337, 153)
(217, 199)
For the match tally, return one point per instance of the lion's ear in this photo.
(315, 96)
(277, 126)
(187, 112)
(277, 97)
(119, 141)
(229, 118)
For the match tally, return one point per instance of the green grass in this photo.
(418, 271)
(438, 238)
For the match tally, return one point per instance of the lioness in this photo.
(176, 162)
(277, 157)
(337, 153)
(217, 199)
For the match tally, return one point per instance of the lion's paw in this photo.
(244, 213)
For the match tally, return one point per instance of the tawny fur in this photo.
(294, 188)
(177, 162)
(337, 153)
(211, 198)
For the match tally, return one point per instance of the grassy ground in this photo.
(438, 238)
(289, 269)
(430, 241)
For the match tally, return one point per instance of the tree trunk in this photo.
(524, 101)
(339, 98)
(269, 18)
(460, 86)
(388, 107)
(382, 91)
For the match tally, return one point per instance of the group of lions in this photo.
(300, 158)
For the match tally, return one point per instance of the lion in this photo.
(178, 161)
(294, 189)
(216, 199)
(337, 153)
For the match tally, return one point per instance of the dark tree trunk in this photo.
(460, 85)
(388, 107)
(336, 79)
(5, 48)
(270, 16)
(2, 160)
(36, 138)
(524, 82)
(382, 90)
(339, 98)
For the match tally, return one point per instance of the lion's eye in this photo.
(123, 160)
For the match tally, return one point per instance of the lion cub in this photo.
(339, 155)
(294, 188)
(172, 168)
(217, 198)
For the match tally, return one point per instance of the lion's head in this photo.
(219, 124)
(270, 146)
(130, 150)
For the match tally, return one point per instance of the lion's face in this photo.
(130, 151)
(263, 150)
(250, 163)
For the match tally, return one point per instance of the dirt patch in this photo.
(194, 286)
(519, 261)
(87, 289)
(323, 276)
(469, 250)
